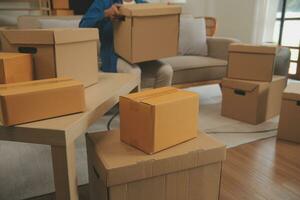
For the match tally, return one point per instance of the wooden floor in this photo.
(266, 169)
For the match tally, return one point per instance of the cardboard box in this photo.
(60, 4)
(191, 170)
(15, 67)
(57, 52)
(37, 100)
(62, 12)
(252, 101)
(250, 62)
(157, 119)
(289, 128)
(147, 32)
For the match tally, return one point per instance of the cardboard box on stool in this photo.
(252, 101)
(57, 52)
(117, 171)
(157, 119)
(60, 4)
(63, 12)
(36, 100)
(15, 67)
(147, 32)
(289, 127)
(251, 62)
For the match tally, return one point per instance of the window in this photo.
(287, 30)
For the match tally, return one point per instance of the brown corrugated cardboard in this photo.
(37, 100)
(187, 171)
(289, 128)
(147, 32)
(58, 52)
(252, 101)
(251, 62)
(62, 12)
(157, 119)
(60, 4)
(15, 67)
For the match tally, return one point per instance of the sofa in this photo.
(187, 69)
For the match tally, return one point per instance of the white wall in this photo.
(241, 19)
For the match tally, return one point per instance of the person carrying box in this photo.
(100, 15)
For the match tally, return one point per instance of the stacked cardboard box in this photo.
(289, 128)
(157, 119)
(250, 92)
(61, 12)
(57, 52)
(191, 170)
(36, 100)
(15, 67)
(43, 54)
(61, 8)
(147, 32)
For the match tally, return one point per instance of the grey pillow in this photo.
(192, 39)
(59, 23)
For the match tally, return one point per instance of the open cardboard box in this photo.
(252, 101)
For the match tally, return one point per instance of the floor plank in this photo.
(266, 169)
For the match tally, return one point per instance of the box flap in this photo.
(71, 35)
(243, 85)
(50, 36)
(32, 86)
(251, 48)
(29, 36)
(160, 96)
(124, 164)
(292, 92)
(143, 10)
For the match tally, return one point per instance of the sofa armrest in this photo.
(282, 61)
(218, 47)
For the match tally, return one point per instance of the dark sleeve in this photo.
(141, 1)
(94, 16)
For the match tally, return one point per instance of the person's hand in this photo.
(112, 12)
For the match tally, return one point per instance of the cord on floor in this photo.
(242, 132)
(111, 120)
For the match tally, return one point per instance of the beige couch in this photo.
(191, 69)
(187, 69)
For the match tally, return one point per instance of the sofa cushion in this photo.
(189, 69)
(192, 37)
(58, 23)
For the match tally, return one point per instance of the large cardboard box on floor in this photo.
(15, 67)
(252, 101)
(57, 52)
(157, 119)
(147, 32)
(60, 4)
(191, 170)
(251, 62)
(37, 100)
(289, 127)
